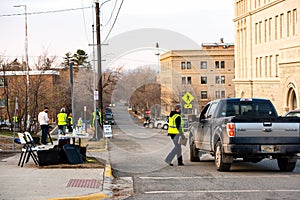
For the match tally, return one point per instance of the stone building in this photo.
(205, 74)
(267, 51)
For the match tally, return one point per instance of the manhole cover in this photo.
(84, 183)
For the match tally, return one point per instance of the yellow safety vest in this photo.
(62, 118)
(172, 124)
(71, 120)
(15, 119)
(79, 122)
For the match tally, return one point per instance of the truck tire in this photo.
(194, 153)
(219, 158)
(151, 125)
(286, 165)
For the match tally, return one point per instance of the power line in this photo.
(114, 21)
(112, 12)
(46, 12)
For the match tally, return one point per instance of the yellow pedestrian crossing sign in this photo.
(188, 98)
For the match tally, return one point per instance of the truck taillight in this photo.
(230, 129)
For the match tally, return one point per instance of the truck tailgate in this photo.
(267, 129)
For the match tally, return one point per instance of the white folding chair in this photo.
(28, 150)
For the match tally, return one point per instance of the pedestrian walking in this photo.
(43, 120)
(62, 121)
(175, 131)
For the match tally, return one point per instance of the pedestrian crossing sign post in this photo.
(188, 98)
(107, 131)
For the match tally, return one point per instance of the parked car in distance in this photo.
(160, 123)
(109, 119)
(292, 113)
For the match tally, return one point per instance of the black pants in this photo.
(45, 131)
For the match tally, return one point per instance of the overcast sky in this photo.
(56, 33)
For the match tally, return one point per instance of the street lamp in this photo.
(27, 67)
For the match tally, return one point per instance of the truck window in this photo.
(211, 110)
(249, 109)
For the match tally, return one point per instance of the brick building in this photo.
(206, 74)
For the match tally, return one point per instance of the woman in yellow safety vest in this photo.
(62, 121)
(175, 131)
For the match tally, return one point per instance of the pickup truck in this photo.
(250, 129)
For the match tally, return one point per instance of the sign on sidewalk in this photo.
(107, 131)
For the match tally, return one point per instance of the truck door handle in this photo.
(267, 129)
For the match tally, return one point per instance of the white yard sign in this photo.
(107, 131)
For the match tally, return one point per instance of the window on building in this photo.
(281, 26)
(270, 29)
(188, 65)
(203, 65)
(259, 32)
(183, 80)
(217, 64)
(3, 82)
(222, 79)
(276, 27)
(189, 80)
(265, 31)
(203, 94)
(217, 79)
(217, 94)
(203, 79)
(222, 94)
(294, 21)
(222, 64)
(2, 103)
(256, 32)
(182, 65)
(288, 23)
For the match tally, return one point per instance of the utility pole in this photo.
(27, 70)
(100, 101)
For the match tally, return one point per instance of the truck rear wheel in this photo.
(286, 164)
(194, 153)
(219, 158)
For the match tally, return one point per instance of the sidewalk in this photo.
(35, 182)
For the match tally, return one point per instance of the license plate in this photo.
(267, 148)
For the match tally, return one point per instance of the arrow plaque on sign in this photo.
(188, 106)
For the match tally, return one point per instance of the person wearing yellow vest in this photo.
(79, 124)
(97, 116)
(62, 121)
(175, 131)
(70, 123)
(15, 121)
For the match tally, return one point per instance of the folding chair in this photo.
(28, 149)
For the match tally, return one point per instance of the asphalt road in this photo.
(139, 153)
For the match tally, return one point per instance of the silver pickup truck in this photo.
(245, 128)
